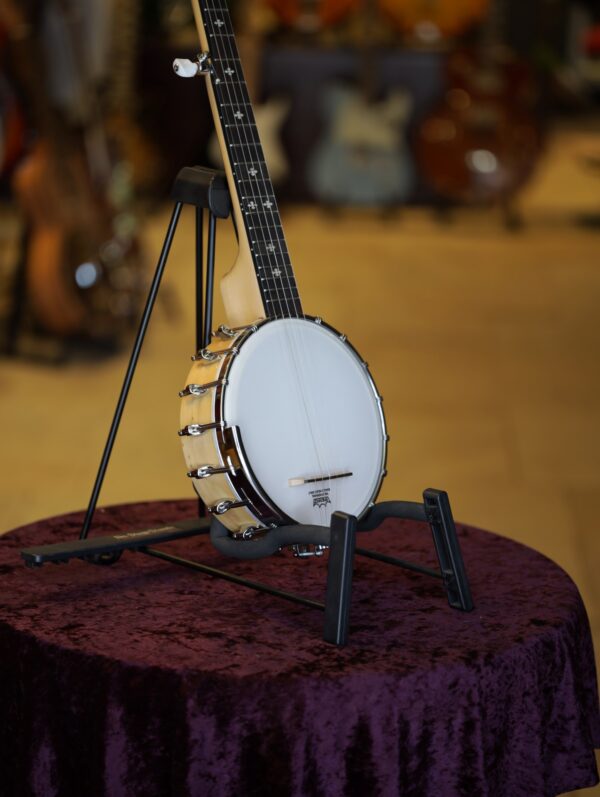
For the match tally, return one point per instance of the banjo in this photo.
(280, 418)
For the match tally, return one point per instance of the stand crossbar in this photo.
(206, 189)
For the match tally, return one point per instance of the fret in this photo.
(280, 308)
(218, 21)
(241, 126)
(250, 171)
(274, 270)
(226, 88)
(282, 298)
(257, 184)
(256, 203)
(279, 288)
(264, 241)
(243, 137)
(273, 249)
(234, 104)
(227, 81)
(236, 113)
(283, 308)
(275, 284)
(276, 275)
(266, 231)
(230, 72)
(262, 198)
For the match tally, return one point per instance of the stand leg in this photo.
(200, 343)
(439, 515)
(210, 275)
(135, 354)
(339, 578)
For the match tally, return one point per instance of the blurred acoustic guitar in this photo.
(430, 22)
(423, 20)
(80, 260)
(311, 16)
(362, 160)
(482, 141)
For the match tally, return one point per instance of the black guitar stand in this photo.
(206, 189)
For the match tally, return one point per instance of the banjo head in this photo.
(308, 419)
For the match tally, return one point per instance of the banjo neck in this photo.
(264, 259)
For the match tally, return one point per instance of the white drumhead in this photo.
(306, 409)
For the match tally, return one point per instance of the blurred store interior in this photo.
(437, 166)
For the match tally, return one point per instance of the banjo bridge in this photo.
(314, 479)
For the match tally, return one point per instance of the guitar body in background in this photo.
(432, 20)
(362, 159)
(312, 14)
(481, 143)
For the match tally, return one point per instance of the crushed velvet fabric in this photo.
(147, 679)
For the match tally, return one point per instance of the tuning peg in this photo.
(186, 68)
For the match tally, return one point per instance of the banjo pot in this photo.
(281, 423)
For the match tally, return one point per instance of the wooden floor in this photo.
(485, 345)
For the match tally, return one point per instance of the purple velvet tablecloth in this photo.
(146, 679)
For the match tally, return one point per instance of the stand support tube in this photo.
(135, 355)
(339, 578)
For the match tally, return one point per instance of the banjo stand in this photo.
(206, 189)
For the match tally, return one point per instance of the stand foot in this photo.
(439, 515)
(339, 578)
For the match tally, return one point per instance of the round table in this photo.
(147, 679)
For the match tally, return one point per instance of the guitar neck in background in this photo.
(249, 181)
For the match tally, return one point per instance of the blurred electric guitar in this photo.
(481, 143)
(362, 159)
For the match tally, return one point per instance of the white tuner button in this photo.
(186, 68)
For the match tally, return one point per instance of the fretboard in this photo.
(246, 158)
